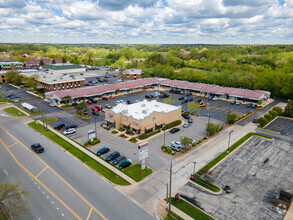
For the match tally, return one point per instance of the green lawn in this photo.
(173, 216)
(206, 184)
(110, 175)
(168, 101)
(14, 112)
(4, 99)
(4, 91)
(49, 120)
(135, 172)
(207, 167)
(190, 210)
(67, 107)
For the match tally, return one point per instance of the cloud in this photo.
(12, 3)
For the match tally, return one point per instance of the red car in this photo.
(111, 97)
(99, 108)
(94, 109)
(86, 84)
(89, 102)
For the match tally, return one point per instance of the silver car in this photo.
(186, 125)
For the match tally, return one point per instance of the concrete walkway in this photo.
(104, 163)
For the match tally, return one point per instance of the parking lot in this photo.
(21, 93)
(256, 173)
(92, 76)
(282, 125)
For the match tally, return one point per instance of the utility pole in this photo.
(229, 141)
(170, 186)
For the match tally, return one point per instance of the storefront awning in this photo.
(111, 120)
(125, 123)
(148, 127)
(134, 127)
(158, 123)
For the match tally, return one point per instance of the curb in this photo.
(215, 193)
(83, 117)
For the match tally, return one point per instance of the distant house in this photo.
(32, 63)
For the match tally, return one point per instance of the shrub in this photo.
(212, 128)
(95, 141)
(122, 135)
(146, 135)
(193, 144)
(133, 140)
(231, 118)
(121, 129)
(269, 117)
(163, 147)
(188, 112)
(289, 109)
(273, 113)
(262, 121)
(199, 141)
(278, 109)
(129, 132)
(114, 132)
(168, 150)
(183, 151)
(172, 124)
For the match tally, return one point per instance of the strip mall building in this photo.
(142, 117)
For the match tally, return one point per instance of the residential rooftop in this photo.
(143, 109)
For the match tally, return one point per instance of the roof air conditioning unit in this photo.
(144, 112)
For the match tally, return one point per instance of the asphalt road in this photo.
(65, 183)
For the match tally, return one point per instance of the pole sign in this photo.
(143, 151)
(91, 134)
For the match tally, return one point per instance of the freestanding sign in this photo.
(143, 152)
(91, 134)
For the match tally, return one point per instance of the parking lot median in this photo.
(100, 166)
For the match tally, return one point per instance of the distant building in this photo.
(32, 63)
(142, 117)
(11, 65)
(3, 78)
(64, 68)
(65, 81)
(6, 59)
(132, 74)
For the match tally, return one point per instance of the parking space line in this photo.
(12, 144)
(41, 172)
(88, 217)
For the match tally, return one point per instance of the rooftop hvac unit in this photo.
(144, 112)
(143, 105)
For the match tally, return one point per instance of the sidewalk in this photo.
(104, 163)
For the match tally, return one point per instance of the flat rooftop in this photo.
(133, 71)
(62, 78)
(143, 109)
(62, 66)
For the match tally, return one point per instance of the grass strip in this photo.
(4, 99)
(14, 112)
(108, 174)
(136, 173)
(173, 216)
(205, 184)
(66, 106)
(49, 120)
(207, 167)
(190, 210)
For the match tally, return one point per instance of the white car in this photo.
(186, 125)
(215, 98)
(52, 104)
(69, 131)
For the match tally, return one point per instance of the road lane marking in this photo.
(88, 217)
(41, 172)
(12, 145)
(5, 172)
(45, 187)
(64, 181)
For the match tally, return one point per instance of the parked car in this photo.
(227, 189)
(37, 148)
(148, 96)
(74, 104)
(176, 146)
(253, 105)
(233, 102)
(189, 99)
(89, 102)
(98, 107)
(52, 104)
(183, 101)
(71, 126)
(186, 125)
(103, 150)
(185, 115)
(105, 98)
(202, 104)
(238, 103)
(108, 106)
(59, 126)
(174, 130)
(190, 120)
(114, 75)
(92, 100)
(106, 80)
(69, 131)
(95, 113)
(254, 120)
(129, 102)
(215, 98)
(107, 76)
(248, 104)
(181, 98)
(86, 84)
(112, 156)
(101, 80)
(118, 160)
(125, 164)
(111, 97)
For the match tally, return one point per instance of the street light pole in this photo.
(229, 141)
(170, 187)
(194, 162)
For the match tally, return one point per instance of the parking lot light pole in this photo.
(194, 162)
(229, 141)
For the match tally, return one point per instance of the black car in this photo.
(74, 104)
(118, 160)
(148, 96)
(198, 100)
(71, 126)
(112, 156)
(129, 102)
(105, 98)
(103, 150)
(254, 120)
(174, 130)
(186, 116)
(183, 101)
(189, 99)
(188, 94)
(92, 100)
(59, 126)
(181, 98)
(95, 113)
(248, 104)
(101, 80)
(125, 164)
(233, 102)
(37, 148)
(106, 80)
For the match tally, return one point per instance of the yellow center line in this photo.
(12, 144)
(41, 183)
(41, 172)
(88, 217)
(64, 181)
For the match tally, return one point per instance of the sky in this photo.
(147, 21)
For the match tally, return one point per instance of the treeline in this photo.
(264, 67)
